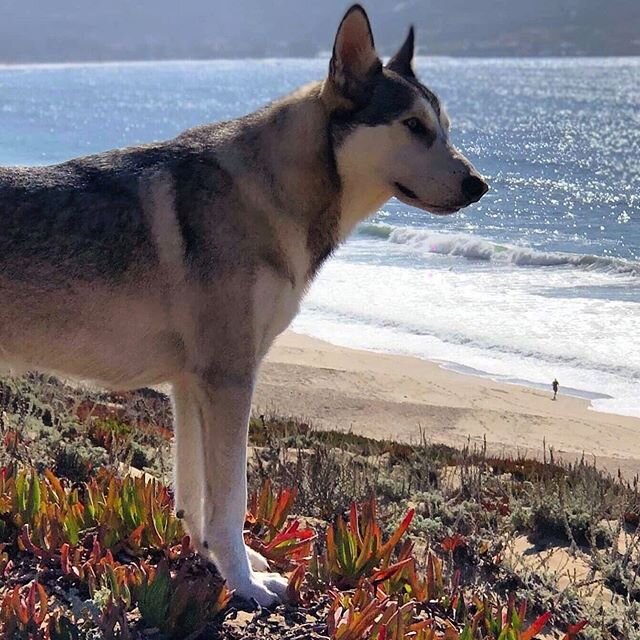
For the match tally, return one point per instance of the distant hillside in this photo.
(76, 30)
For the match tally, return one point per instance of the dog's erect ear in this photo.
(402, 62)
(354, 62)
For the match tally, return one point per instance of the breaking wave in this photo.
(475, 248)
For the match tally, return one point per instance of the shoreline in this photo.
(573, 392)
(503, 379)
(406, 398)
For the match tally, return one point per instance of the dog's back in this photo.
(81, 219)
(86, 218)
(79, 247)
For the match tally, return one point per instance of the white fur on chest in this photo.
(276, 299)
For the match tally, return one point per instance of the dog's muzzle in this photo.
(473, 188)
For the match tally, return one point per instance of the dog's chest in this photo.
(277, 299)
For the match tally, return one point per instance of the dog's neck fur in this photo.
(326, 199)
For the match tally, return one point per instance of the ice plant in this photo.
(284, 544)
(46, 513)
(23, 612)
(111, 434)
(98, 570)
(369, 613)
(354, 548)
(178, 604)
(132, 512)
(270, 508)
(402, 578)
(127, 512)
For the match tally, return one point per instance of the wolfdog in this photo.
(181, 261)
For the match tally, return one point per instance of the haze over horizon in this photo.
(75, 31)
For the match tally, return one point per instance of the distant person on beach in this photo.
(555, 386)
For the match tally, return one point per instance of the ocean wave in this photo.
(376, 229)
(486, 346)
(475, 248)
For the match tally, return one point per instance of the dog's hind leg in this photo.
(223, 412)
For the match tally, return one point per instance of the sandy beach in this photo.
(389, 396)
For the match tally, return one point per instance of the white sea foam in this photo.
(494, 316)
(477, 248)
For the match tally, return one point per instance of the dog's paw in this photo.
(257, 562)
(265, 589)
(276, 584)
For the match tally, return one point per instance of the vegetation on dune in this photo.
(380, 540)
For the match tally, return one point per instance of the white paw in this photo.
(267, 589)
(277, 584)
(257, 561)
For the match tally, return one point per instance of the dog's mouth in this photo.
(405, 191)
(409, 197)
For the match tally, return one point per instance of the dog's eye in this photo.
(414, 125)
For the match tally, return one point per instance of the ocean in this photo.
(541, 279)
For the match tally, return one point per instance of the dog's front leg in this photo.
(223, 411)
(188, 460)
(188, 465)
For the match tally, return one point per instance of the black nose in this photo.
(474, 188)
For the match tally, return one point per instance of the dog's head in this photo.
(390, 132)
